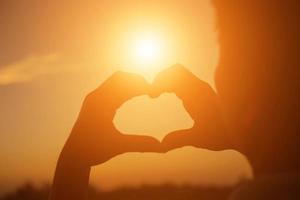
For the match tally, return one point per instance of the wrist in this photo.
(73, 160)
(71, 180)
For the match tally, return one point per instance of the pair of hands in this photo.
(94, 139)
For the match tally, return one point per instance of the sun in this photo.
(147, 50)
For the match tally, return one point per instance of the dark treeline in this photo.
(30, 192)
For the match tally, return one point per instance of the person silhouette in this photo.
(257, 105)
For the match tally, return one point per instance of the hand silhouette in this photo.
(94, 138)
(201, 102)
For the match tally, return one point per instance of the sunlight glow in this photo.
(147, 50)
(163, 34)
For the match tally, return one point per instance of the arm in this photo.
(71, 180)
(94, 139)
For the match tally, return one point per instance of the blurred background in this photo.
(53, 53)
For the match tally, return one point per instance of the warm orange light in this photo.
(144, 51)
(147, 50)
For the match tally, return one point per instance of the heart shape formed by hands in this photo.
(94, 138)
(200, 101)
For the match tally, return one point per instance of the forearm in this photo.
(71, 180)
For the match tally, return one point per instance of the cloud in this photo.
(29, 68)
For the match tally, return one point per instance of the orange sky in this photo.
(53, 52)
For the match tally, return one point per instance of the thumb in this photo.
(176, 140)
(134, 143)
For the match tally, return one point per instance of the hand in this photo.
(94, 139)
(201, 102)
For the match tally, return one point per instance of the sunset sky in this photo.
(52, 53)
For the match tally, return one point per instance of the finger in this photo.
(173, 79)
(132, 143)
(215, 140)
(196, 94)
(177, 139)
(120, 87)
(130, 83)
